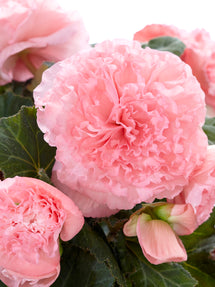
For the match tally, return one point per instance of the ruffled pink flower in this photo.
(126, 122)
(34, 31)
(199, 53)
(32, 215)
(159, 239)
(200, 192)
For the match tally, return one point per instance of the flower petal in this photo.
(183, 219)
(159, 243)
(200, 192)
(129, 229)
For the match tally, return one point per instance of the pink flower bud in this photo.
(181, 217)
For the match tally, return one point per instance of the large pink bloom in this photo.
(34, 31)
(32, 215)
(200, 192)
(126, 123)
(199, 53)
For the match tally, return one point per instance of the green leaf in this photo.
(2, 284)
(10, 104)
(17, 88)
(209, 129)
(80, 268)
(140, 272)
(23, 150)
(21, 88)
(166, 43)
(203, 278)
(199, 246)
(93, 240)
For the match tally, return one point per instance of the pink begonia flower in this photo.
(32, 215)
(200, 192)
(199, 53)
(158, 239)
(126, 122)
(34, 31)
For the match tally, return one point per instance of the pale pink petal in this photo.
(129, 229)
(89, 207)
(156, 30)
(74, 219)
(200, 192)
(159, 243)
(183, 219)
(14, 279)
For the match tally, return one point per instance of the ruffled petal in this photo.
(200, 192)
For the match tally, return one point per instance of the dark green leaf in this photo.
(203, 278)
(199, 246)
(199, 262)
(209, 129)
(23, 151)
(141, 273)
(10, 104)
(20, 88)
(1, 176)
(166, 43)
(2, 284)
(93, 240)
(79, 268)
(17, 88)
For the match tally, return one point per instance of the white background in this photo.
(108, 19)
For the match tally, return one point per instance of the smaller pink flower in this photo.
(199, 53)
(158, 238)
(32, 215)
(34, 31)
(200, 192)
